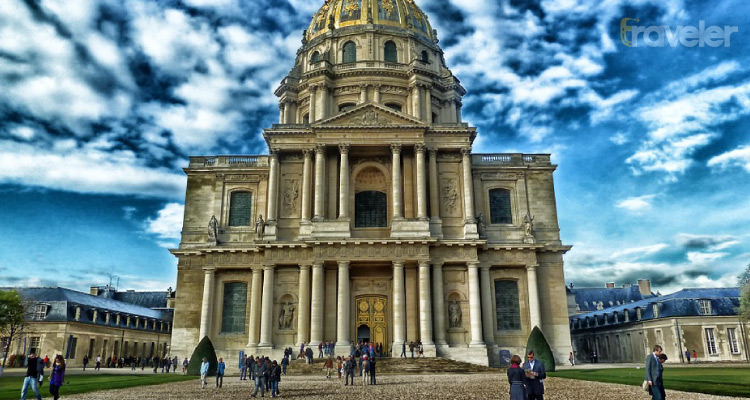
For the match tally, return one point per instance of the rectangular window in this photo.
(705, 307)
(40, 312)
(72, 349)
(239, 209)
(92, 343)
(34, 345)
(500, 212)
(734, 346)
(710, 341)
(104, 349)
(507, 306)
(233, 308)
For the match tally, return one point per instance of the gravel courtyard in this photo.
(475, 386)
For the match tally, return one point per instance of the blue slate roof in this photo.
(685, 303)
(587, 299)
(143, 299)
(63, 302)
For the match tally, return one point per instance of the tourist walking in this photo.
(175, 361)
(653, 373)
(695, 356)
(687, 355)
(275, 377)
(328, 366)
(32, 377)
(309, 355)
(204, 372)
(320, 350)
(339, 366)
(243, 367)
(572, 359)
(285, 363)
(365, 369)
(185, 363)
(57, 377)
(220, 367)
(349, 366)
(659, 384)
(534, 375)
(85, 361)
(261, 377)
(98, 366)
(403, 349)
(516, 378)
(372, 371)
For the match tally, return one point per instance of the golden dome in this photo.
(403, 14)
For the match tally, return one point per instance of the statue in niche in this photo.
(260, 227)
(213, 229)
(291, 193)
(450, 195)
(454, 314)
(482, 225)
(528, 226)
(286, 316)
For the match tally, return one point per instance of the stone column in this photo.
(434, 193)
(255, 296)
(273, 186)
(428, 104)
(281, 112)
(425, 305)
(475, 306)
(287, 112)
(324, 101)
(303, 312)
(208, 301)
(396, 180)
(416, 103)
(344, 182)
(320, 186)
(377, 94)
(306, 184)
(421, 184)
(454, 111)
(313, 94)
(535, 311)
(487, 309)
(266, 312)
(318, 302)
(468, 186)
(458, 111)
(399, 308)
(438, 300)
(362, 94)
(343, 322)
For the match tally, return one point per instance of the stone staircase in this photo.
(398, 366)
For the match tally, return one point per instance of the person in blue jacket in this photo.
(220, 372)
(204, 372)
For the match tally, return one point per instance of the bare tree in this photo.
(13, 325)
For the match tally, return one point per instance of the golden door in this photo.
(371, 313)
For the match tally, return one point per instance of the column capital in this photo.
(437, 264)
(377, 86)
(344, 148)
(398, 263)
(320, 148)
(273, 153)
(257, 269)
(396, 148)
(532, 267)
(472, 264)
(343, 264)
(304, 267)
(313, 88)
(363, 86)
(209, 270)
(485, 267)
(318, 264)
(433, 151)
(466, 151)
(307, 153)
(420, 148)
(270, 266)
(424, 263)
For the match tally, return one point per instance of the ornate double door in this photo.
(372, 319)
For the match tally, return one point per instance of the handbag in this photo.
(645, 386)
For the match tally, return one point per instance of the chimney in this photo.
(610, 285)
(645, 286)
(94, 290)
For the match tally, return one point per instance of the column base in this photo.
(436, 228)
(410, 229)
(331, 229)
(477, 345)
(264, 346)
(305, 229)
(470, 231)
(269, 233)
(396, 349)
(430, 350)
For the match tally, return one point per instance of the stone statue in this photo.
(213, 229)
(482, 225)
(454, 314)
(260, 227)
(286, 316)
(528, 226)
(331, 22)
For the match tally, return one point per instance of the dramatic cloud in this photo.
(168, 224)
(739, 157)
(636, 204)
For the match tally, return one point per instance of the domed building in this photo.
(371, 220)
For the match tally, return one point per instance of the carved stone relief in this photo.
(449, 194)
(291, 193)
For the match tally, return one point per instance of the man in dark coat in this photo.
(372, 371)
(349, 367)
(309, 355)
(534, 375)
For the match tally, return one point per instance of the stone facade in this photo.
(316, 270)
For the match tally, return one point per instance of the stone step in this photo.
(389, 365)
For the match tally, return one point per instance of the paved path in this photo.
(407, 387)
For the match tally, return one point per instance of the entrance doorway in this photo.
(372, 319)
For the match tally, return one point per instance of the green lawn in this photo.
(10, 387)
(719, 381)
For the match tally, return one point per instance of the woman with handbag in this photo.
(515, 379)
(57, 377)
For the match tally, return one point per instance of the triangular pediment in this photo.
(370, 115)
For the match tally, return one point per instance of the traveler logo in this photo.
(633, 35)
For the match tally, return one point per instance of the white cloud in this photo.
(168, 223)
(640, 251)
(636, 204)
(697, 257)
(739, 157)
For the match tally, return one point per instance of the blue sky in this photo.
(103, 101)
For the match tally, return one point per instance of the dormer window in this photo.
(78, 313)
(627, 316)
(638, 314)
(705, 307)
(40, 311)
(655, 308)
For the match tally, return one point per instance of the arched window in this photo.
(239, 208)
(507, 306)
(346, 107)
(233, 307)
(306, 119)
(500, 212)
(370, 209)
(425, 57)
(350, 52)
(394, 106)
(434, 118)
(391, 54)
(315, 57)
